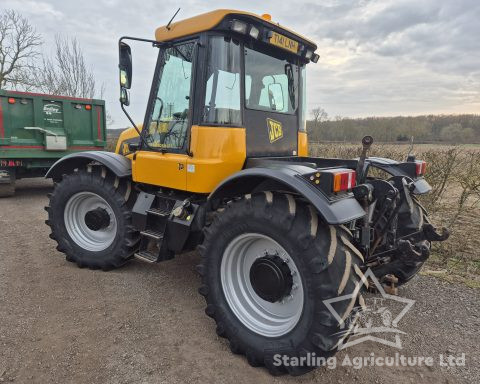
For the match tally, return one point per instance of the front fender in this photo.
(288, 178)
(118, 164)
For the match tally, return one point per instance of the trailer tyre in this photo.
(90, 217)
(7, 190)
(268, 264)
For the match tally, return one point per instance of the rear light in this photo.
(333, 180)
(344, 180)
(11, 100)
(420, 167)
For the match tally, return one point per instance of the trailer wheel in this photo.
(90, 218)
(7, 190)
(268, 264)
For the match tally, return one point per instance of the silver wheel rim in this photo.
(74, 217)
(262, 317)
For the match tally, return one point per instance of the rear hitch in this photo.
(431, 234)
(408, 251)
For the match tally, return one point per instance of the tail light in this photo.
(344, 180)
(334, 180)
(420, 167)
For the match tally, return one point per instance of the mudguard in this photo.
(288, 178)
(118, 164)
(396, 168)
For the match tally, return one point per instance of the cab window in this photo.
(222, 95)
(271, 84)
(168, 125)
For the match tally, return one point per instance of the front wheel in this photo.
(268, 265)
(90, 218)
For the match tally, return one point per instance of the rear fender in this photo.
(396, 168)
(118, 164)
(287, 178)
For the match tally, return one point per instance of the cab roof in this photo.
(210, 20)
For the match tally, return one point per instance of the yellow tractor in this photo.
(221, 165)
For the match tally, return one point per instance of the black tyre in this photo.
(7, 190)
(268, 264)
(90, 217)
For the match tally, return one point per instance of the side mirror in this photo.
(275, 95)
(124, 97)
(125, 65)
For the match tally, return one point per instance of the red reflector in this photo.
(11, 100)
(420, 167)
(88, 107)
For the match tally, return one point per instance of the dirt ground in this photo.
(146, 324)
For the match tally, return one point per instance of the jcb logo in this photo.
(275, 131)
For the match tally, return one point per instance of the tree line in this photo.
(25, 66)
(428, 128)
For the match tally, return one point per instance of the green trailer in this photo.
(36, 130)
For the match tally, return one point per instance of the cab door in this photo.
(163, 160)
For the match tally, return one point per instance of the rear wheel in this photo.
(268, 265)
(90, 218)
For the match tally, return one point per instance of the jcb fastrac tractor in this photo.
(221, 165)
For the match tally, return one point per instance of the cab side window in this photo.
(222, 96)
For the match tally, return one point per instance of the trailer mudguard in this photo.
(118, 164)
(287, 178)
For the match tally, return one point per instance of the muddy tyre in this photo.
(89, 214)
(268, 264)
(7, 190)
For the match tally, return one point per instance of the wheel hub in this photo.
(271, 278)
(97, 219)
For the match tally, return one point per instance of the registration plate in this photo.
(284, 42)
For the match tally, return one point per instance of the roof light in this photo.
(11, 100)
(267, 17)
(315, 58)
(420, 167)
(88, 107)
(239, 27)
(254, 32)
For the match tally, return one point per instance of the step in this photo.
(146, 256)
(152, 234)
(159, 212)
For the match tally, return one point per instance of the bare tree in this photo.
(19, 44)
(67, 73)
(319, 115)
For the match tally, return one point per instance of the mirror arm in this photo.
(154, 42)
(142, 139)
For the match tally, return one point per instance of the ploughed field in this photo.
(146, 323)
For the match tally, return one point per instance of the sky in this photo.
(377, 57)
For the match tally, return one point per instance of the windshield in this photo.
(271, 84)
(168, 121)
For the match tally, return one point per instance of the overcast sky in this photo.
(377, 57)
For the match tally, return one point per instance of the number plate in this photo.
(284, 42)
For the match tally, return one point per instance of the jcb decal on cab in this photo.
(275, 131)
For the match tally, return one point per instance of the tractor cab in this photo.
(228, 86)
